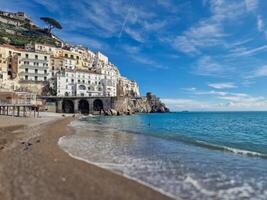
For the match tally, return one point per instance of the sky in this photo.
(197, 55)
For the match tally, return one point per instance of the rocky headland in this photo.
(130, 105)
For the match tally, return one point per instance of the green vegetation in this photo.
(20, 36)
(52, 23)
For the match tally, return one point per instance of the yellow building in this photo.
(9, 61)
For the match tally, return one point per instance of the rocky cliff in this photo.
(130, 105)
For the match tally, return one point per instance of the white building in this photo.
(33, 66)
(79, 83)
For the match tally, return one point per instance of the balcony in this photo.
(23, 66)
(32, 74)
(33, 60)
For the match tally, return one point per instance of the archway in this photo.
(98, 105)
(84, 106)
(68, 106)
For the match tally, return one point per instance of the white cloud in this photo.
(212, 92)
(260, 24)
(207, 66)
(243, 51)
(136, 35)
(205, 34)
(190, 89)
(208, 32)
(226, 85)
(147, 61)
(260, 72)
(230, 102)
(251, 5)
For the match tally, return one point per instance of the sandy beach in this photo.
(32, 166)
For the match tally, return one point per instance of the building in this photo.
(127, 88)
(9, 61)
(71, 71)
(34, 66)
(79, 83)
(17, 19)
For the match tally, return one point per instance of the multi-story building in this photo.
(109, 71)
(17, 19)
(127, 88)
(79, 83)
(34, 66)
(9, 61)
(71, 71)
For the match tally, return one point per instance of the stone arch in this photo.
(84, 106)
(68, 106)
(98, 105)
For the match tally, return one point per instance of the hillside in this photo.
(20, 36)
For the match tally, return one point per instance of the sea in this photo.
(185, 155)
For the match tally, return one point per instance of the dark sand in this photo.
(33, 167)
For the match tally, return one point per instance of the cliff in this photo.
(130, 105)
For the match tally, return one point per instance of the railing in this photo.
(17, 109)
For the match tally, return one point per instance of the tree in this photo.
(52, 23)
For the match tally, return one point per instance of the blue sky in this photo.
(194, 54)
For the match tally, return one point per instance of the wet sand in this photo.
(33, 167)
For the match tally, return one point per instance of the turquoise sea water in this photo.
(202, 155)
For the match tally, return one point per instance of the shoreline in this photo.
(37, 168)
(123, 175)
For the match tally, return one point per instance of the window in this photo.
(45, 57)
(36, 71)
(36, 78)
(67, 80)
(27, 55)
(82, 87)
(45, 71)
(26, 77)
(79, 81)
(26, 70)
(9, 66)
(36, 56)
(45, 78)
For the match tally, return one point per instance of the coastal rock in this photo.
(147, 104)
(113, 112)
(107, 113)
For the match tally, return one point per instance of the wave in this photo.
(107, 166)
(199, 143)
(230, 149)
(207, 145)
